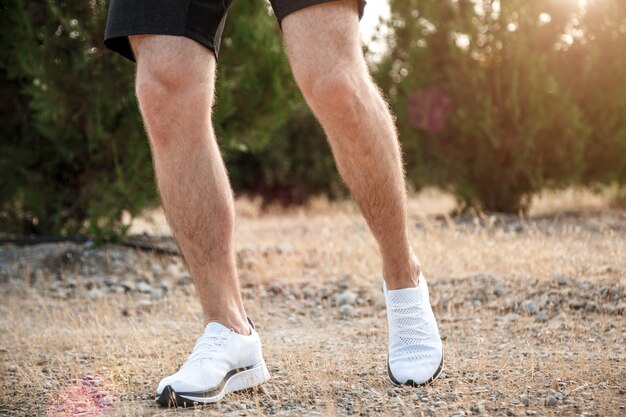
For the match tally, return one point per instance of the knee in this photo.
(337, 94)
(166, 92)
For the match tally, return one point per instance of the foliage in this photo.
(484, 102)
(73, 157)
(73, 154)
(273, 146)
(494, 101)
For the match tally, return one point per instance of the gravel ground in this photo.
(90, 330)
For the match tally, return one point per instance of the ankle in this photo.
(237, 322)
(403, 274)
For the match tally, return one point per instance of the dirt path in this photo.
(532, 314)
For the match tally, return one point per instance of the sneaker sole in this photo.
(235, 380)
(410, 382)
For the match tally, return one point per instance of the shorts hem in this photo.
(295, 5)
(116, 39)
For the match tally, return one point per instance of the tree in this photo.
(483, 106)
(74, 156)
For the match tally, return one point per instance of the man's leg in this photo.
(175, 83)
(324, 51)
(323, 47)
(175, 86)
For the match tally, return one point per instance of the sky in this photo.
(374, 10)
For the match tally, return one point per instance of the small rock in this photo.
(561, 279)
(524, 400)
(577, 303)
(95, 293)
(59, 293)
(346, 297)
(498, 290)
(11, 367)
(510, 318)
(309, 292)
(275, 288)
(144, 305)
(529, 306)
(478, 408)
(345, 311)
(172, 271)
(157, 292)
(542, 317)
(166, 284)
(144, 287)
(184, 279)
(128, 285)
(551, 401)
(156, 269)
(46, 385)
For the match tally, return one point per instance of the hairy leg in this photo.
(324, 51)
(175, 87)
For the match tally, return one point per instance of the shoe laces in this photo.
(206, 346)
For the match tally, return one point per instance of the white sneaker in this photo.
(415, 348)
(222, 361)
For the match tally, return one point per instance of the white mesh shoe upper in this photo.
(415, 348)
(217, 352)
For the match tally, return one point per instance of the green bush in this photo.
(73, 153)
(273, 146)
(73, 156)
(485, 107)
(296, 165)
(492, 104)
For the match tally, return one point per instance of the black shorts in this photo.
(200, 20)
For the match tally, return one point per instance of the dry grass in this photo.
(322, 365)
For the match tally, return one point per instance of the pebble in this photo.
(184, 279)
(128, 285)
(144, 287)
(542, 317)
(529, 306)
(346, 297)
(172, 271)
(551, 401)
(498, 290)
(478, 408)
(95, 293)
(144, 305)
(510, 318)
(524, 400)
(561, 279)
(345, 311)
